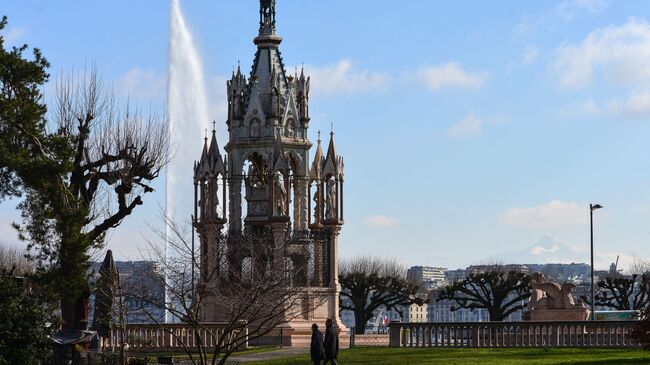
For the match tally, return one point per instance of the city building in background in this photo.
(135, 277)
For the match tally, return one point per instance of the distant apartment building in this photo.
(441, 311)
(142, 277)
(506, 268)
(455, 275)
(416, 313)
(425, 274)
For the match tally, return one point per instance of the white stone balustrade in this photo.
(514, 334)
(168, 337)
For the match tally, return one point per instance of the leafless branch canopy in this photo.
(371, 282)
(118, 151)
(14, 262)
(249, 301)
(107, 157)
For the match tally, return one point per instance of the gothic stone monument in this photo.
(551, 301)
(268, 154)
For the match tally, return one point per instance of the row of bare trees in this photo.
(370, 283)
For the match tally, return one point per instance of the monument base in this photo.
(571, 314)
(297, 331)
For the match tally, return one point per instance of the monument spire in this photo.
(267, 17)
(266, 36)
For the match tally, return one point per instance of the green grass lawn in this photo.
(184, 356)
(378, 356)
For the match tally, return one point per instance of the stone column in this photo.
(334, 287)
(279, 230)
(209, 247)
(234, 208)
(300, 204)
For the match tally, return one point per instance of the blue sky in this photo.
(471, 130)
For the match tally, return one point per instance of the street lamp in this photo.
(592, 207)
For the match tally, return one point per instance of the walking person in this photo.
(331, 343)
(316, 347)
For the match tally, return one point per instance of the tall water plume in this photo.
(187, 110)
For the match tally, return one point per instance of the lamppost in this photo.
(592, 207)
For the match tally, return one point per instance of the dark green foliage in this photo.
(22, 114)
(369, 283)
(25, 324)
(498, 291)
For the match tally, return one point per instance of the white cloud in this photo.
(530, 54)
(14, 34)
(550, 215)
(620, 54)
(141, 84)
(470, 125)
(637, 104)
(344, 77)
(450, 74)
(382, 221)
(569, 9)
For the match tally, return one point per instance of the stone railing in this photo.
(167, 337)
(369, 339)
(513, 334)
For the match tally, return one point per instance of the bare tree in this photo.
(624, 292)
(14, 262)
(499, 290)
(91, 166)
(251, 300)
(639, 266)
(371, 282)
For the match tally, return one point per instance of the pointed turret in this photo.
(236, 88)
(333, 163)
(208, 172)
(316, 166)
(214, 157)
(302, 94)
(202, 167)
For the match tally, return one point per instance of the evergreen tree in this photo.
(25, 323)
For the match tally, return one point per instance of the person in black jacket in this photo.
(316, 347)
(331, 343)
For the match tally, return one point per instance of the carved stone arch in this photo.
(256, 185)
(259, 158)
(296, 163)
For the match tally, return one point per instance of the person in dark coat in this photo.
(316, 347)
(331, 343)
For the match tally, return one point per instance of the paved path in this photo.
(268, 355)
